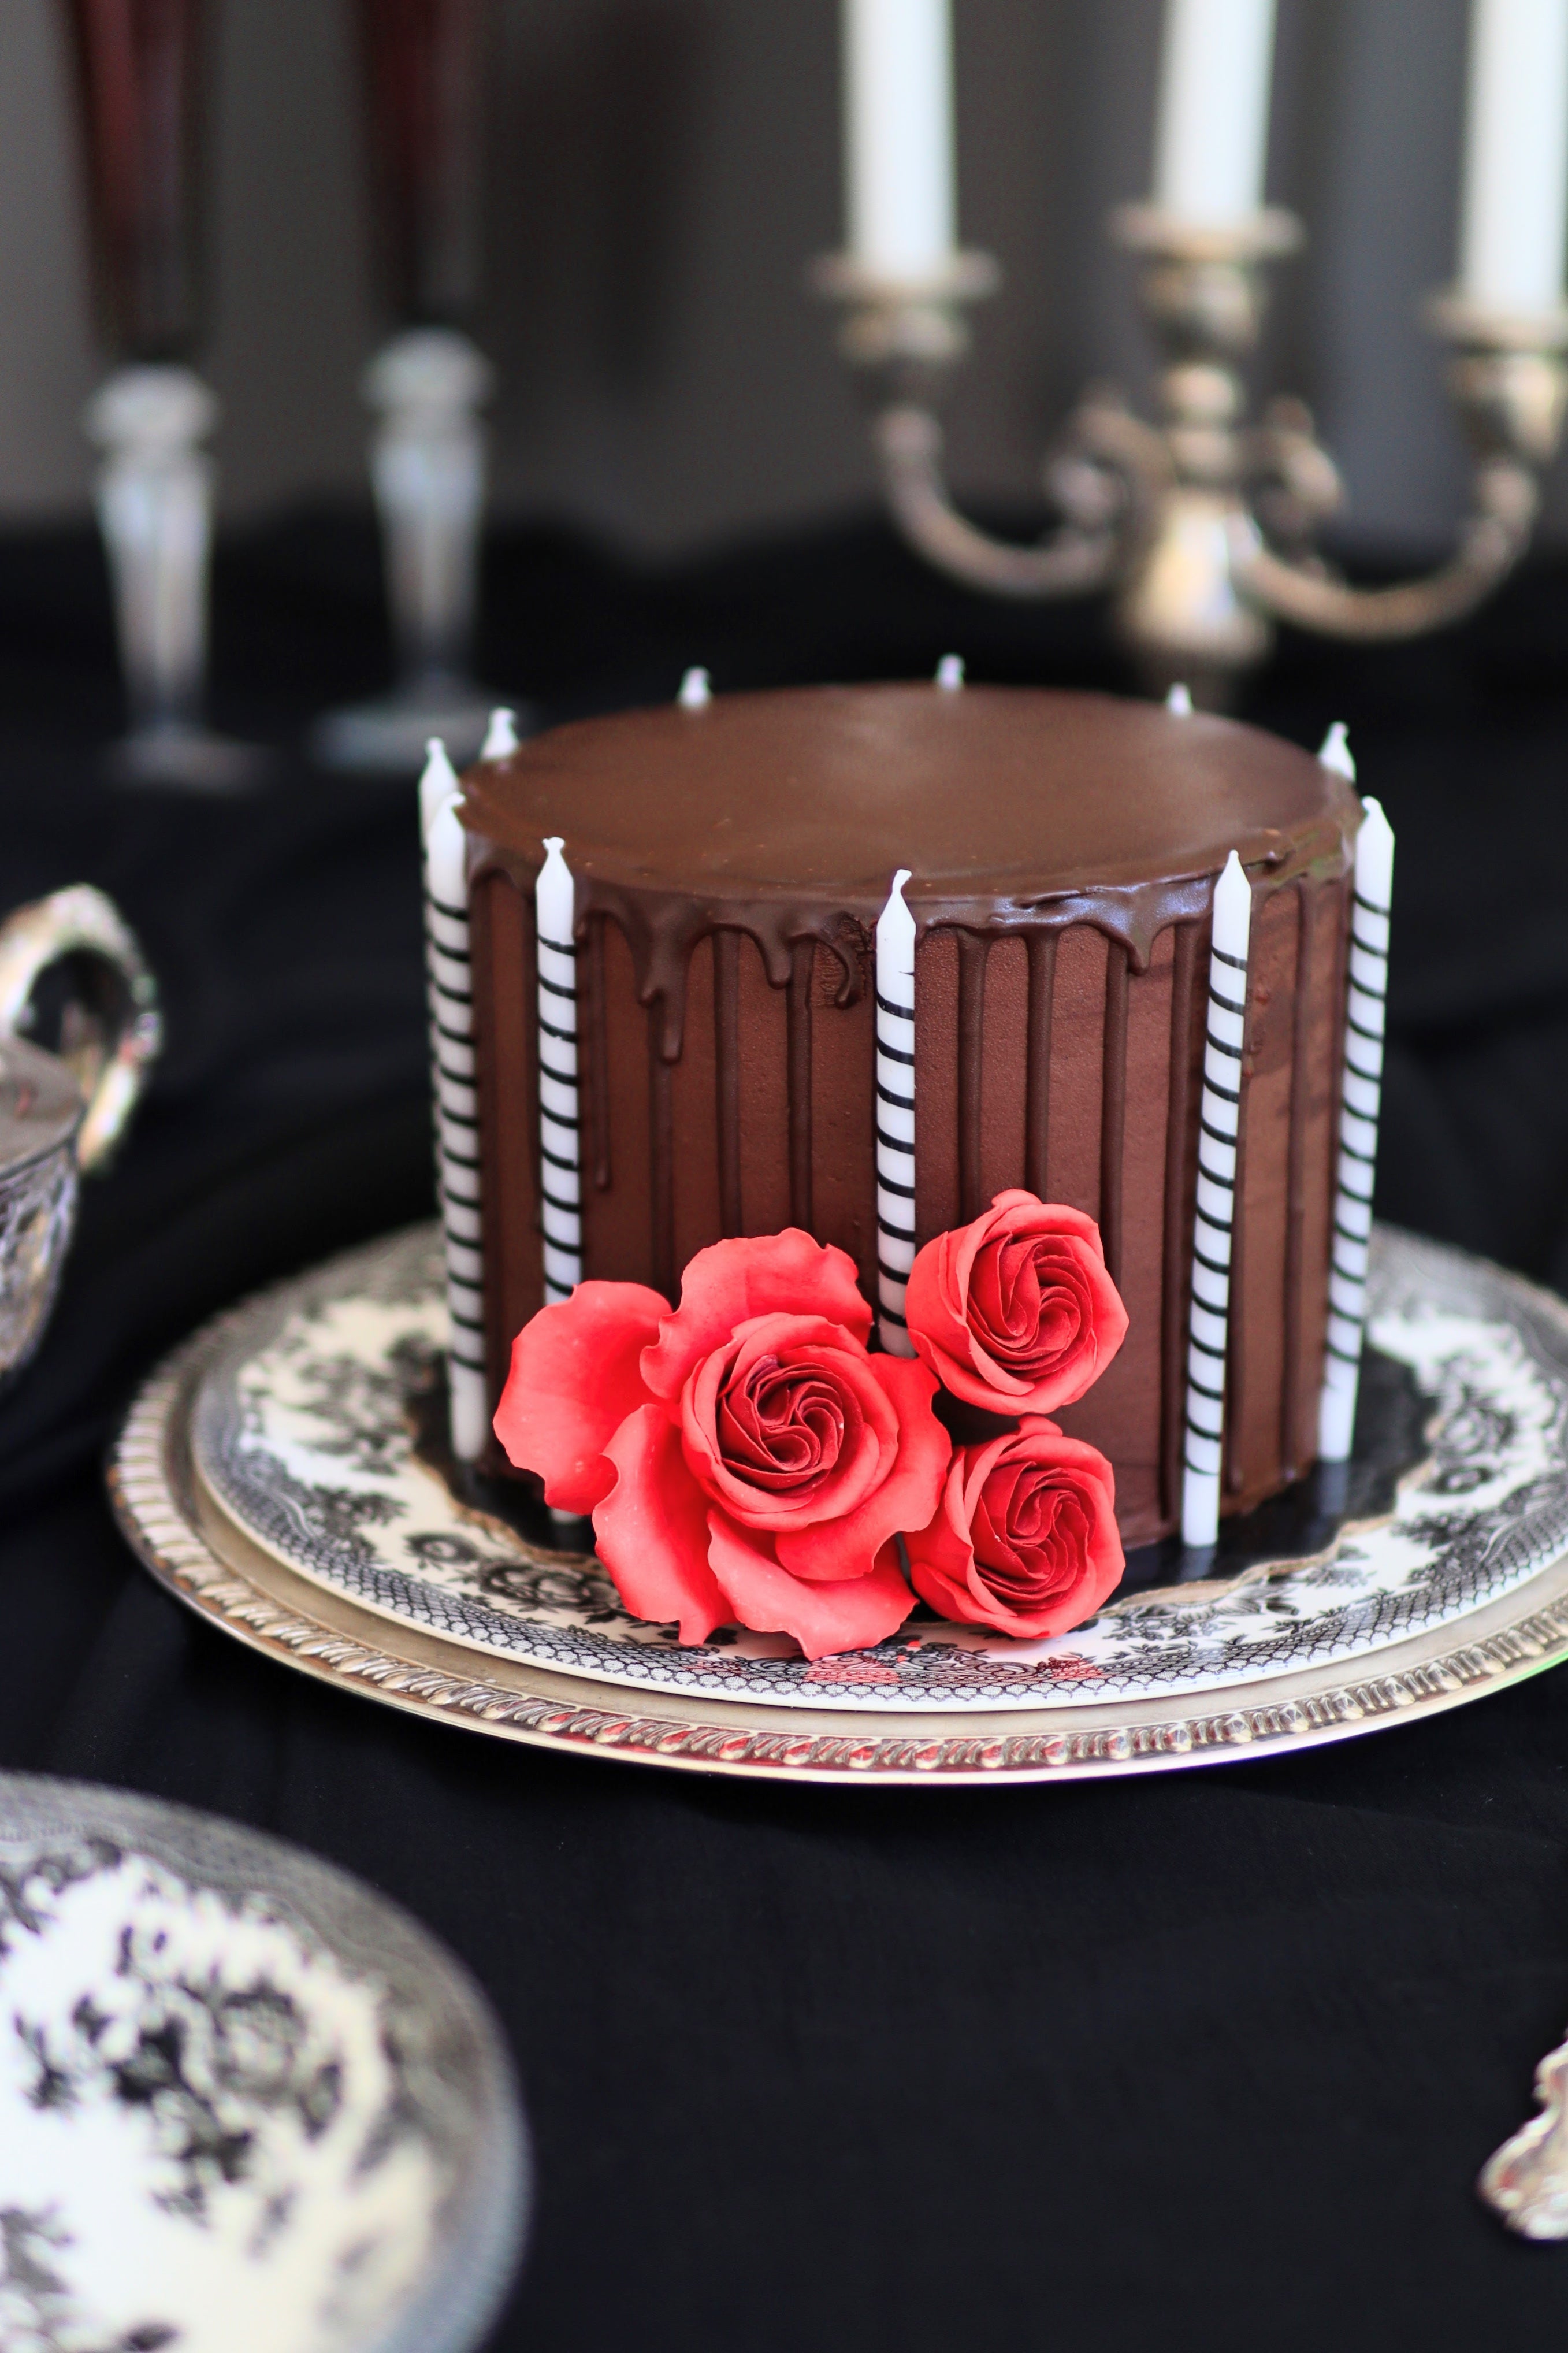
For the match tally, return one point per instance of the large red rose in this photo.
(1025, 1537)
(744, 1459)
(1016, 1312)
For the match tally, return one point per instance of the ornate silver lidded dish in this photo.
(62, 1115)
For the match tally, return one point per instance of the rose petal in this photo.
(941, 1554)
(731, 1282)
(904, 1499)
(975, 1280)
(651, 1529)
(849, 1615)
(1038, 1590)
(574, 1377)
(871, 1440)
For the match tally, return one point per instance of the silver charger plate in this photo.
(269, 1474)
(247, 2106)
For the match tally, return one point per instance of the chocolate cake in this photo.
(730, 864)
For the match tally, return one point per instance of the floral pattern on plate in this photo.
(245, 2106)
(301, 1428)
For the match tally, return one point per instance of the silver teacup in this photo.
(62, 1114)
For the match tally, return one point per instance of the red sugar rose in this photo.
(1025, 1537)
(744, 1459)
(1016, 1312)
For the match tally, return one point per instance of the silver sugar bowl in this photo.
(62, 1114)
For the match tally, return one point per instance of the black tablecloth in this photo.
(1203, 2059)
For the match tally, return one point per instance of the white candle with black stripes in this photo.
(1219, 1121)
(1360, 1102)
(450, 974)
(895, 1115)
(560, 1130)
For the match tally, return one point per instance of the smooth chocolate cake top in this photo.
(1004, 793)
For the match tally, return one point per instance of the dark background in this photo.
(658, 174)
(1208, 2059)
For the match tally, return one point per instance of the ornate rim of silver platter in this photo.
(269, 1475)
(246, 2103)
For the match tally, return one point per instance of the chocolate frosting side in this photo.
(1064, 851)
(783, 816)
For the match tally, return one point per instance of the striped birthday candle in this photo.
(450, 974)
(895, 1114)
(1219, 1122)
(559, 1117)
(1360, 1102)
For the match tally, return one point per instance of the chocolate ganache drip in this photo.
(731, 861)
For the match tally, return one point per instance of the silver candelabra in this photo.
(1205, 523)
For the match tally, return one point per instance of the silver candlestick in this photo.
(150, 425)
(1203, 524)
(428, 388)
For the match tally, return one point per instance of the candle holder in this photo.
(427, 387)
(1203, 524)
(150, 425)
(421, 80)
(137, 100)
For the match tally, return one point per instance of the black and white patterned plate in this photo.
(282, 1447)
(246, 2104)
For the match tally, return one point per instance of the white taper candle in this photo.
(898, 129)
(1219, 1122)
(450, 975)
(560, 1130)
(1515, 202)
(1366, 996)
(501, 736)
(895, 1114)
(1213, 125)
(438, 783)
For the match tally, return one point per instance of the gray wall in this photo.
(659, 171)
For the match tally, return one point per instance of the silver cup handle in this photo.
(113, 1034)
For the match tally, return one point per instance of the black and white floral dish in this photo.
(270, 1475)
(246, 2104)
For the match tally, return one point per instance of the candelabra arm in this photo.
(1510, 382)
(1490, 544)
(1094, 478)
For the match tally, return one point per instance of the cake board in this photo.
(277, 1474)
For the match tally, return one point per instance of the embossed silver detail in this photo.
(1526, 2181)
